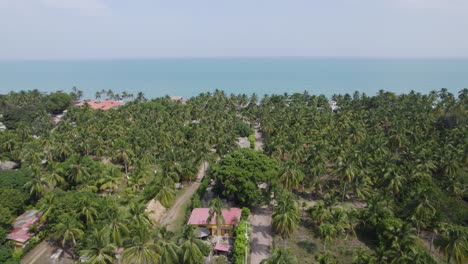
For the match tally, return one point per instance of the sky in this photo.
(110, 29)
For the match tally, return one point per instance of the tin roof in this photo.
(200, 215)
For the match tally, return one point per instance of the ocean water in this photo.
(189, 77)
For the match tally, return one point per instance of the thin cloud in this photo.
(431, 3)
(83, 7)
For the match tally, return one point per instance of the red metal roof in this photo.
(21, 225)
(200, 215)
(222, 247)
(104, 105)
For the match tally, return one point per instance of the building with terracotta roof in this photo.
(101, 105)
(231, 217)
(20, 233)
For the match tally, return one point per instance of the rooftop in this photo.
(21, 225)
(200, 215)
(101, 105)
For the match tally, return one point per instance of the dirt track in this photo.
(261, 243)
(177, 208)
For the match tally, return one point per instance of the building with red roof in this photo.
(20, 233)
(231, 217)
(101, 105)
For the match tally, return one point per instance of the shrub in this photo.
(243, 129)
(252, 141)
(18, 254)
(241, 244)
(245, 213)
(219, 260)
(205, 249)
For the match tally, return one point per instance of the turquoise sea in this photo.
(191, 76)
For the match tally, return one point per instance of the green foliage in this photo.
(3, 235)
(15, 179)
(242, 242)
(32, 108)
(281, 256)
(285, 219)
(252, 141)
(6, 218)
(243, 129)
(18, 254)
(57, 102)
(12, 199)
(239, 174)
(219, 260)
(245, 213)
(205, 249)
(6, 254)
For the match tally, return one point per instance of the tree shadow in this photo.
(367, 237)
(307, 246)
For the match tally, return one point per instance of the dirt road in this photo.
(258, 138)
(177, 209)
(260, 246)
(41, 255)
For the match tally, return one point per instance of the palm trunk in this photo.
(432, 242)
(344, 192)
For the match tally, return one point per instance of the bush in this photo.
(33, 242)
(196, 202)
(57, 102)
(241, 244)
(205, 249)
(18, 254)
(219, 260)
(243, 129)
(252, 141)
(245, 213)
(5, 218)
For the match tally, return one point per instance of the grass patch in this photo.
(306, 245)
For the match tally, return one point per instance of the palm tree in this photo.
(285, 217)
(38, 185)
(281, 256)
(138, 218)
(124, 156)
(291, 177)
(55, 175)
(143, 249)
(423, 213)
(169, 250)
(320, 213)
(328, 232)
(346, 171)
(362, 257)
(216, 210)
(68, 232)
(326, 258)
(99, 250)
(166, 195)
(116, 228)
(87, 211)
(190, 247)
(454, 244)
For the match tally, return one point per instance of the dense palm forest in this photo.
(401, 158)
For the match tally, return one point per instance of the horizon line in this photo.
(235, 57)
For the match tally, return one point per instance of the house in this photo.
(20, 232)
(176, 98)
(231, 217)
(98, 105)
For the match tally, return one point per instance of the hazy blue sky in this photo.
(83, 29)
